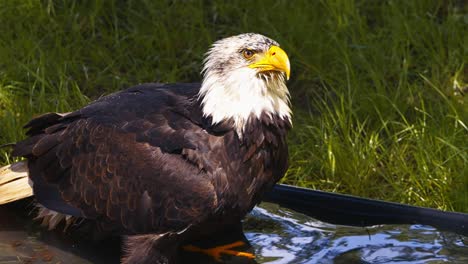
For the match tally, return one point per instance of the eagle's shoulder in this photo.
(145, 99)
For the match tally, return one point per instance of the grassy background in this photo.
(378, 86)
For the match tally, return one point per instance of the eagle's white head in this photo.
(245, 76)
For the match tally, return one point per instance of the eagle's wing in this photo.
(120, 159)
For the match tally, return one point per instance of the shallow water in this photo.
(295, 238)
(278, 236)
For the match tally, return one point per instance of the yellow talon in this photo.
(216, 252)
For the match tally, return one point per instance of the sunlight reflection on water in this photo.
(300, 239)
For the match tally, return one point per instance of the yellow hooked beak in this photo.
(275, 59)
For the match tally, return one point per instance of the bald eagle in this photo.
(165, 162)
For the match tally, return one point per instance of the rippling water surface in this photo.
(282, 236)
(278, 236)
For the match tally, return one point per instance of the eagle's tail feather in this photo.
(52, 219)
(14, 182)
(15, 185)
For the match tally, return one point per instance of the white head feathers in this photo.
(238, 86)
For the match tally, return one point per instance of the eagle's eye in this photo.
(247, 53)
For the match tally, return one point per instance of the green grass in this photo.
(378, 86)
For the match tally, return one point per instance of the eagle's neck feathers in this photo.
(243, 94)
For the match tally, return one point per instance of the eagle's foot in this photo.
(216, 252)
